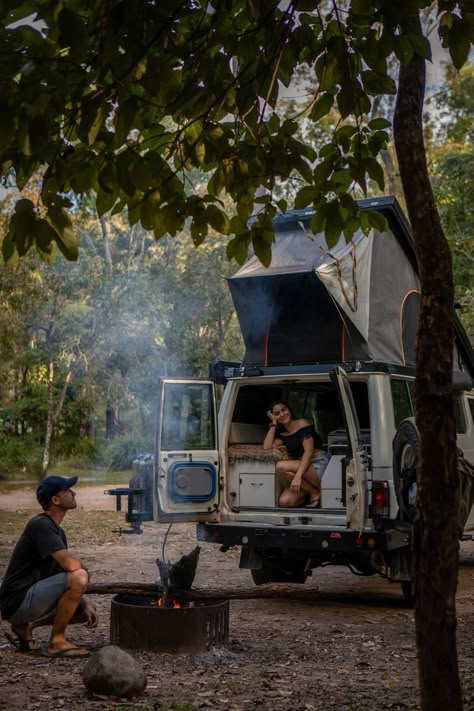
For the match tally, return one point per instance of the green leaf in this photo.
(334, 223)
(104, 202)
(24, 222)
(322, 172)
(160, 223)
(282, 205)
(262, 250)
(322, 106)
(62, 225)
(7, 128)
(73, 31)
(124, 118)
(318, 220)
(244, 205)
(346, 99)
(148, 210)
(199, 230)
(404, 49)
(421, 45)
(379, 123)
(9, 251)
(378, 83)
(46, 241)
(305, 197)
(377, 220)
(375, 171)
(218, 219)
(459, 43)
(237, 248)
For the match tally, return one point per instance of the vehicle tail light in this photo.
(380, 500)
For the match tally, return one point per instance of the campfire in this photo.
(164, 622)
(172, 604)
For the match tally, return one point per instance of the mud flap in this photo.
(250, 559)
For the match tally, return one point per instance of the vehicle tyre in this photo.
(279, 574)
(405, 445)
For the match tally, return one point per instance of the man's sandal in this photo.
(21, 644)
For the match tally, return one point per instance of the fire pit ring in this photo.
(138, 622)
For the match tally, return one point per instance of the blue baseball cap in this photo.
(51, 485)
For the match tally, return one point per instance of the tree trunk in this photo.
(53, 415)
(49, 421)
(106, 242)
(436, 548)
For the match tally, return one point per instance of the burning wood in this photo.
(269, 591)
(180, 574)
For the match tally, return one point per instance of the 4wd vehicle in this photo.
(331, 332)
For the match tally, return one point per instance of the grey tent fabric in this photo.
(355, 301)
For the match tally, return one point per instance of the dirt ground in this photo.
(351, 648)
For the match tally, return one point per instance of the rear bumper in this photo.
(301, 538)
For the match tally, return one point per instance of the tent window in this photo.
(402, 401)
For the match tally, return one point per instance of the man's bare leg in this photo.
(65, 609)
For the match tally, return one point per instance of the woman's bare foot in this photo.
(314, 503)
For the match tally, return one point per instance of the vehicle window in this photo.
(402, 400)
(253, 402)
(459, 416)
(188, 417)
(470, 401)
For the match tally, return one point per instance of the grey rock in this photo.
(113, 672)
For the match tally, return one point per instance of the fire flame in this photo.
(174, 604)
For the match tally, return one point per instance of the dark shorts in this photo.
(40, 600)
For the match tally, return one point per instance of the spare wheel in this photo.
(405, 449)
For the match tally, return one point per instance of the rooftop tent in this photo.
(356, 301)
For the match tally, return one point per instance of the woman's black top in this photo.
(294, 441)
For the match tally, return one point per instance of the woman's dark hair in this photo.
(285, 404)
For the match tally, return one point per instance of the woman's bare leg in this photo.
(309, 484)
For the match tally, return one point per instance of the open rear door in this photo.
(356, 458)
(186, 455)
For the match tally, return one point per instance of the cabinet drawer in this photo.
(257, 490)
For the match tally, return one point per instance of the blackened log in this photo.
(269, 590)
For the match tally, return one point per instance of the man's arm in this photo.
(66, 560)
(70, 564)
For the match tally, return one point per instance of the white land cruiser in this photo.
(331, 332)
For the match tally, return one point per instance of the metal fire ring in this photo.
(137, 623)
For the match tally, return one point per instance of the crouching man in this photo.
(44, 584)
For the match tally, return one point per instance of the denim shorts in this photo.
(40, 600)
(320, 460)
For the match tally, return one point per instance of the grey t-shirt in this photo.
(31, 561)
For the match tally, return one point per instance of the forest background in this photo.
(82, 345)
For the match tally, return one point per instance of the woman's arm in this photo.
(305, 461)
(270, 438)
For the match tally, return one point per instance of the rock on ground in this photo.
(113, 672)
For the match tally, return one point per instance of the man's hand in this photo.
(90, 613)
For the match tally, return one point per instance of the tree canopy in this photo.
(122, 99)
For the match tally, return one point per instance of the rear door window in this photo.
(402, 400)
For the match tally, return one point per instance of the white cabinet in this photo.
(257, 490)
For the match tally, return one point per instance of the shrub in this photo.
(122, 450)
(23, 454)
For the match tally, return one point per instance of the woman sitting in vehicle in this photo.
(307, 460)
